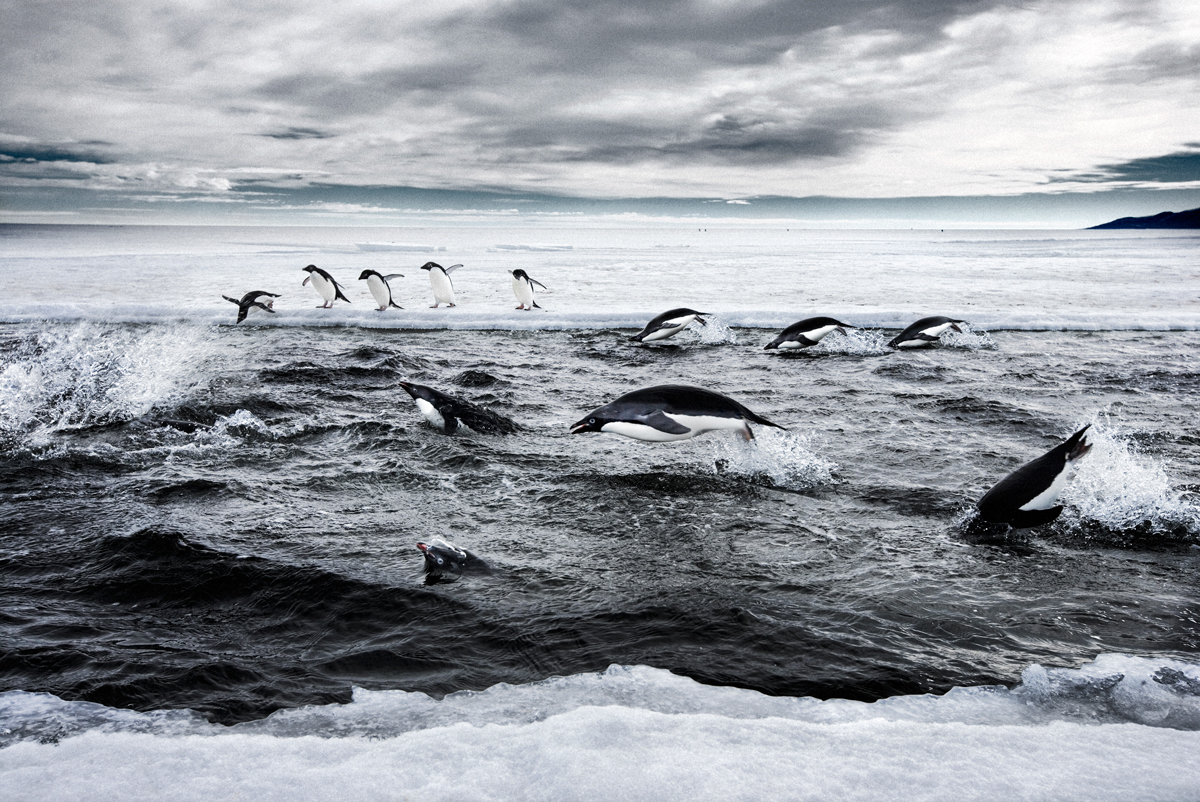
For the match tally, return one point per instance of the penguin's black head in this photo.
(367, 274)
(592, 423)
(443, 558)
(519, 273)
(310, 268)
(431, 265)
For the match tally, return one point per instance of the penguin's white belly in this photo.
(1049, 497)
(696, 424)
(379, 291)
(431, 413)
(323, 287)
(670, 328)
(443, 290)
(913, 344)
(937, 331)
(524, 292)
(816, 335)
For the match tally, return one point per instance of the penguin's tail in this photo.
(393, 303)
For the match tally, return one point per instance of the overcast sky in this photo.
(133, 104)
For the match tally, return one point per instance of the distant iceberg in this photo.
(1188, 219)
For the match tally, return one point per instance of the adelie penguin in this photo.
(924, 332)
(445, 562)
(251, 301)
(381, 291)
(444, 412)
(522, 286)
(439, 279)
(325, 286)
(670, 412)
(806, 333)
(1029, 495)
(668, 324)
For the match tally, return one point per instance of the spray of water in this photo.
(855, 342)
(969, 339)
(780, 459)
(717, 332)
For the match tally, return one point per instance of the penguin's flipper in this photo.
(701, 321)
(1024, 519)
(302, 283)
(450, 422)
(263, 307)
(231, 300)
(659, 420)
(451, 269)
(540, 284)
(391, 276)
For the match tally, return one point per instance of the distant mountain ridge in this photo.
(1188, 219)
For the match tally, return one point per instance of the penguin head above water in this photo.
(445, 562)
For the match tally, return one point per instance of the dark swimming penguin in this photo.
(444, 412)
(439, 279)
(668, 324)
(1027, 496)
(377, 283)
(806, 333)
(670, 412)
(250, 301)
(924, 331)
(445, 562)
(324, 284)
(522, 286)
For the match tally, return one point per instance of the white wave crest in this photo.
(969, 339)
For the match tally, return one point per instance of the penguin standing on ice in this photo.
(522, 286)
(924, 332)
(250, 301)
(439, 279)
(377, 283)
(806, 333)
(325, 286)
(670, 412)
(668, 324)
(1028, 496)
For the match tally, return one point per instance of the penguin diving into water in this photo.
(522, 286)
(670, 412)
(806, 333)
(444, 412)
(250, 301)
(439, 279)
(1028, 496)
(377, 283)
(445, 562)
(325, 286)
(668, 324)
(924, 332)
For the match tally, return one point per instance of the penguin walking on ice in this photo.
(325, 285)
(670, 412)
(669, 323)
(924, 332)
(445, 411)
(806, 333)
(439, 279)
(381, 291)
(251, 301)
(522, 286)
(1028, 496)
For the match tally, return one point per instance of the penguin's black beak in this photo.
(584, 426)
(423, 547)
(408, 388)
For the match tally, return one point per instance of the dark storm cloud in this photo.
(1172, 168)
(299, 133)
(32, 153)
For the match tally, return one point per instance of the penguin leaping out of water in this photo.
(522, 286)
(381, 291)
(669, 323)
(670, 412)
(444, 412)
(1029, 495)
(924, 332)
(806, 333)
(325, 286)
(439, 279)
(250, 301)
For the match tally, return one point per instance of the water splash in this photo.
(855, 342)
(93, 374)
(969, 339)
(717, 332)
(780, 459)
(1120, 489)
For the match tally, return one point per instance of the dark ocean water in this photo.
(224, 519)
